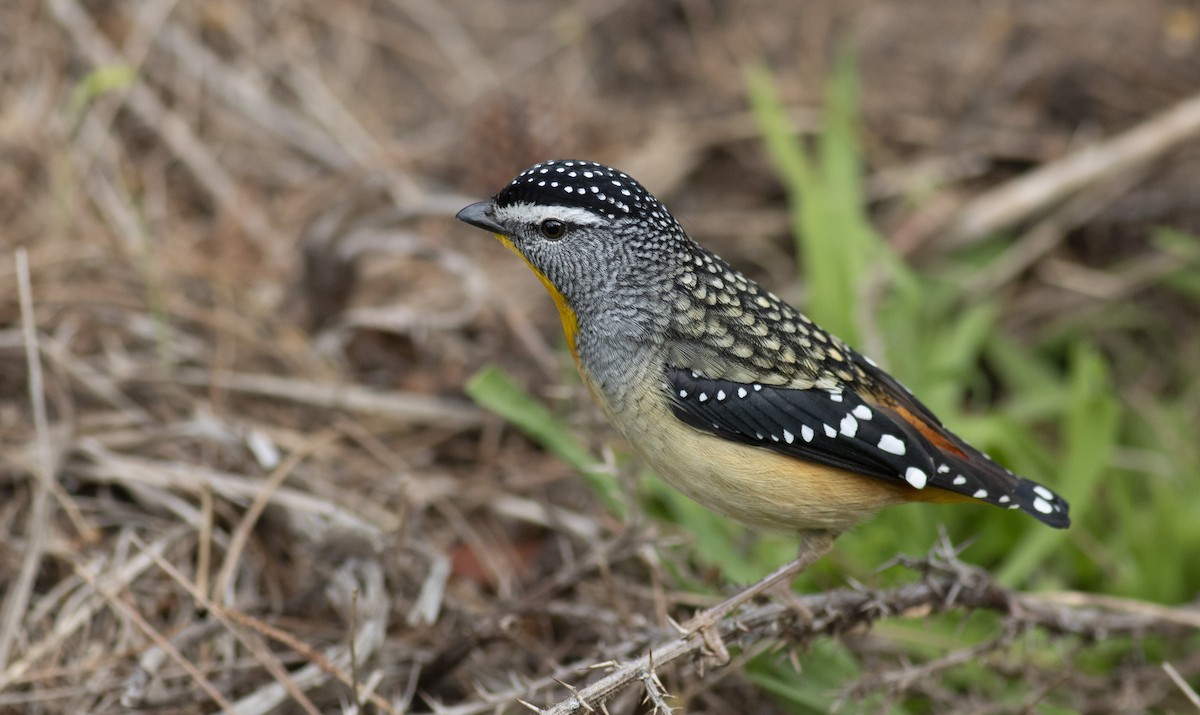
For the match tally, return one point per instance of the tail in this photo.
(1041, 503)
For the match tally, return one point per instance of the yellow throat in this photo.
(569, 320)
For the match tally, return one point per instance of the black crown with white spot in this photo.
(587, 185)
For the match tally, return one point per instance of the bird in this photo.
(728, 393)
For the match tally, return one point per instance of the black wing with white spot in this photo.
(842, 429)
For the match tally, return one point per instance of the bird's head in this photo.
(592, 234)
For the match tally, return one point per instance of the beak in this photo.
(480, 214)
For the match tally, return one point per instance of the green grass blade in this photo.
(96, 83)
(1089, 429)
(833, 236)
(494, 390)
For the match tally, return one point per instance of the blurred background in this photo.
(297, 440)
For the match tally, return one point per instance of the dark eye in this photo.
(553, 229)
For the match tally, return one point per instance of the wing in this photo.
(876, 428)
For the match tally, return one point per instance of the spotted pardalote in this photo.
(729, 393)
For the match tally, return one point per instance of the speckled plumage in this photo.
(731, 394)
(722, 323)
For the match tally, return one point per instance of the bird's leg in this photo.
(813, 545)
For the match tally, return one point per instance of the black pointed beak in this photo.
(480, 214)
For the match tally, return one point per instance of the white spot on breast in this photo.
(836, 397)
(1043, 492)
(943, 469)
(1042, 505)
(720, 394)
(1004, 499)
(862, 412)
(806, 432)
(960, 480)
(758, 388)
(758, 435)
(830, 432)
(742, 392)
(788, 437)
(683, 393)
(849, 426)
(981, 494)
(915, 477)
(889, 443)
(703, 396)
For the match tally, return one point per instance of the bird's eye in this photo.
(553, 229)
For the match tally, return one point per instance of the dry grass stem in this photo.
(18, 596)
(1026, 196)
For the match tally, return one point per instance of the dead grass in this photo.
(205, 505)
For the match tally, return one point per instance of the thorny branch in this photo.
(947, 584)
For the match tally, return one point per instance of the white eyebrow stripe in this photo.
(525, 212)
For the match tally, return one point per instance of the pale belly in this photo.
(755, 486)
